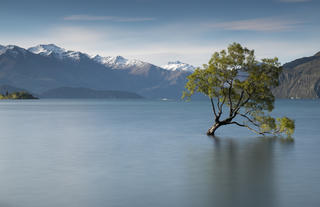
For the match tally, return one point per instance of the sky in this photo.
(158, 31)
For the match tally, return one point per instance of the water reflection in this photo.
(81, 156)
(242, 172)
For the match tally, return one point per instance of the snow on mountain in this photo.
(47, 49)
(2, 49)
(118, 62)
(59, 52)
(179, 66)
(13, 49)
(74, 55)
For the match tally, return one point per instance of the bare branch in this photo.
(221, 105)
(243, 125)
(249, 111)
(255, 131)
(240, 99)
(213, 107)
(244, 103)
(245, 116)
(230, 100)
(221, 89)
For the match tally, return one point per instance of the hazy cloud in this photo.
(158, 45)
(294, 1)
(260, 25)
(107, 18)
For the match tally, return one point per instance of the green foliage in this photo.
(234, 77)
(286, 126)
(17, 95)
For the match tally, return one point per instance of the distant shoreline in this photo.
(17, 96)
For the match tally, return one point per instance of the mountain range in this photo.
(45, 67)
(70, 92)
(300, 79)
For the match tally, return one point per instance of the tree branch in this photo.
(249, 112)
(230, 100)
(255, 131)
(244, 103)
(218, 103)
(221, 105)
(240, 99)
(213, 107)
(243, 125)
(243, 115)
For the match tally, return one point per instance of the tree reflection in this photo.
(241, 172)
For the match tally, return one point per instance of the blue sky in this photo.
(161, 31)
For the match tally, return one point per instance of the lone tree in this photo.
(239, 89)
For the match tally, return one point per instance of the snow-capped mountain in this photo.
(179, 66)
(3, 49)
(12, 49)
(118, 62)
(47, 49)
(51, 49)
(46, 67)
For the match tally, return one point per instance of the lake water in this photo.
(81, 153)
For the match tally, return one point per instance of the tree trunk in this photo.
(213, 129)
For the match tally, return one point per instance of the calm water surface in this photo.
(81, 153)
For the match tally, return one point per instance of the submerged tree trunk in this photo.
(213, 129)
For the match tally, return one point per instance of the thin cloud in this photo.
(258, 25)
(157, 45)
(107, 18)
(294, 1)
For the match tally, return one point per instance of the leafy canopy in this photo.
(235, 80)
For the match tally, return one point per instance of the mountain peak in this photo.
(13, 49)
(118, 62)
(52, 49)
(317, 54)
(109, 60)
(120, 59)
(47, 49)
(178, 66)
